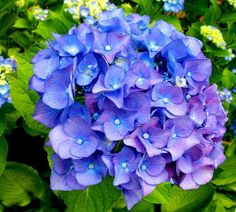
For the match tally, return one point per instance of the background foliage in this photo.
(24, 169)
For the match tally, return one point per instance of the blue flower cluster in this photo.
(7, 66)
(226, 95)
(128, 100)
(173, 5)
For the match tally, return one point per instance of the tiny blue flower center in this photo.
(91, 66)
(117, 122)
(119, 62)
(108, 48)
(73, 50)
(4, 90)
(181, 82)
(165, 100)
(115, 86)
(91, 166)
(140, 80)
(124, 165)
(95, 116)
(84, 12)
(108, 143)
(174, 135)
(90, 20)
(189, 74)
(80, 141)
(87, 72)
(143, 167)
(188, 97)
(146, 136)
(153, 46)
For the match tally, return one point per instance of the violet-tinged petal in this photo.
(187, 182)
(58, 182)
(203, 175)
(133, 141)
(140, 103)
(37, 84)
(117, 97)
(45, 67)
(60, 166)
(88, 178)
(57, 136)
(90, 171)
(46, 115)
(121, 177)
(147, 188)
(185, 164)
(114, 78)
(199, 70)
(132, 197)
(58, 91)
(87, 70)
(70, 45)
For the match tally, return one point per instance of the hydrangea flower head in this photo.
(86, 9)
(226, 95)
(40, 14)
(173, 5)
(213, 34)
(128, 100)
(7, 66)
(232, 2)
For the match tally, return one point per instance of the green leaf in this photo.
(2, 123)
(198, 7)
(7, 19)
(229, 187)
(24, 67)
(24, 39)
(6, 4)
(226, 173)
(145, 7)
(10, 117)
(128, 8)
(98, 198)
(3, 154)
(46, 28)
(1, 208)
(160, 195)
(214, 51)
(228, 79)
(231, 149)
(215, 206)
(50, 152)
(20, 183)
(143, 206)
(212, 15)
(214, 2)
(194, 30)
(226, 17)
(21, 98)
(22, 23)
(226, 201)
(190, 200)
(61, 15)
